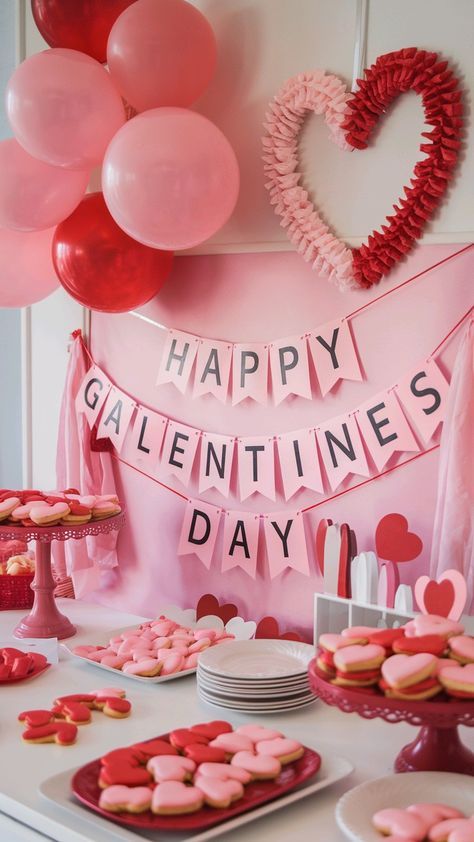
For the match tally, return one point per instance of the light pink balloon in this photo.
(34, 195)
(170, 178)
(161, 52)
(64, 108)
(26, 267)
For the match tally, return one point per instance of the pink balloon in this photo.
(34, 195)
(161, 52)
(64, 108)
(26, 267)
(170, 178)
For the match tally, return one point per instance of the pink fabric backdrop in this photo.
(258, 297)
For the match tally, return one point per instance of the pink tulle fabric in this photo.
(90, 472)
(323, 94)
(453, 531)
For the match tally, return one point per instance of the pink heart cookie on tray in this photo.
(424, 624)
(393, 820)
(45, 514)
(357, 657)
(8, 506)
(169, 768)
(462, 648)
(260, 766)
(257, 733)
(403, 670)
(130, 799)
(173, 797)
(225, 771)
(219, 794)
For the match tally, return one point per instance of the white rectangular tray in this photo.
(152, 679)
(82, 825)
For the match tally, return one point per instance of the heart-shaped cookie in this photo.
(404, 670)
(351, 119)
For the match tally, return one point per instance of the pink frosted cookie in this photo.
(462, 648)
(209, 633)
(358, 658)
(86, 651)
(125, 799)
(173, 798)
(148, 667)
(8, 506)
(162, 628)
(434, 813)
(459, 681)
(171, 768)
(217, 793)
(453, 830)
(172, 664)
(400, 823)
(161, 643)
(232, 743)
(257, 733)
(432, 624)
(44, 514)
(108, 692)
(445, 662)
(190, 661)
(358, 634)
(404, 670)
(333, 642)
(225, 772)
(261, 766)
(114, 661)
(199, 645)
(284, 749)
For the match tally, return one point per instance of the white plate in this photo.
(245, 692)
(245, 684)
(355, 809)
(258, 658)
(249, 707)
(88, 825)
(151, 679)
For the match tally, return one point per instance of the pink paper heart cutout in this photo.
(394, 542)
(446, 596)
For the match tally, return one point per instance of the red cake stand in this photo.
(437, 747)
(44, 619)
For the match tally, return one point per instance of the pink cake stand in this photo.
(436, 748)
(44, 619)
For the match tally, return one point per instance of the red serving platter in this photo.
(86, 789)
(33, 674)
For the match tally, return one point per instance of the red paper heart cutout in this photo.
(209, 604)
(268, 628)
(394, 542)
(439, 597)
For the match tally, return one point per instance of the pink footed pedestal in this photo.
(44, 619)
(437, 746)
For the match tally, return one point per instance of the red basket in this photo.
(15, 591)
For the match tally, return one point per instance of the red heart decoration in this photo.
(439, 597)
(209, 604)
(351, 119)
(394, 542)
(268, 628)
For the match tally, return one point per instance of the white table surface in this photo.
(27, 817)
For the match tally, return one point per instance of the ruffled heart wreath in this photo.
(351, 117)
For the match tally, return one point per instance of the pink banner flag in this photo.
(290, 368)
(216, 458)
(240, 542)
(179, 450)
(256, 466)
(286, 542)
(299, 462)
(177, 359)
(199, 531)
(384, 428)
(341, 449)
(250, 373)
(213, 363)
(142, 446)
(116, 416)
(334, 354)
(92, 394)
(423, 393)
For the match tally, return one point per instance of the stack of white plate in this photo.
(257, 676)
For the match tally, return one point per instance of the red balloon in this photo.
(101, 266)
(78, 24)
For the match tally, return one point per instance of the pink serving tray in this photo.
(86, 789)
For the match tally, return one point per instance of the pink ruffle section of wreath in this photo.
(326, 95)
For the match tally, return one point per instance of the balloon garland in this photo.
(351, 118)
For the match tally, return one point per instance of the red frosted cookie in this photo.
(113, 706)
(425, 689)
(386, 638)
(82, 698)
(363, 678)
(433, 644)
(211, 730)
(35, 718)
(205, 754)
(62, 733)
(122, 766)
(75, 712)
(152, 748)
(182, 737)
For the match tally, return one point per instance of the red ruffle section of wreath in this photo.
(431, 78)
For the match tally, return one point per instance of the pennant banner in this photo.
(213, 363)
(199, 531)
(250, 373)
(334, 355)
(179, 353)
(289, 368)
(312, 458)
(240, 541)
(286, 542)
